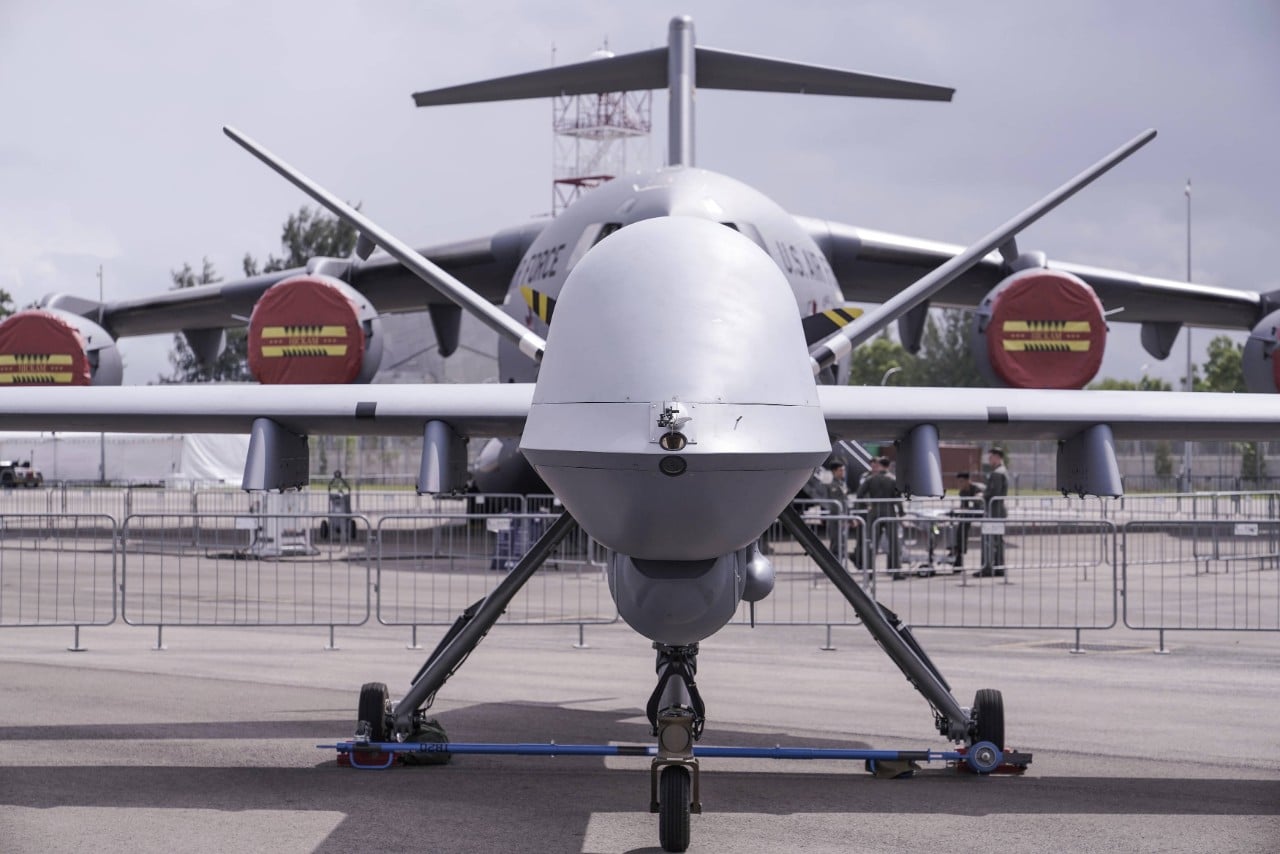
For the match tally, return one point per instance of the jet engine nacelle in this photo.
(1039, 329)
(1261, 368)
(49, 346)
(314, 329)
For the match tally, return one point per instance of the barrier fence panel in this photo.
(431, 568)
(1055, 573)
(1202, 574)
(802, 595)
(57, 570)
(260, 569)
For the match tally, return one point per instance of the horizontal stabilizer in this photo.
(723, 69)
(644, 70)
(715, 69)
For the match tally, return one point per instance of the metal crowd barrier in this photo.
(57, 570)
(429, 569)
(288, 560)
(210, 569)
(1203, 575)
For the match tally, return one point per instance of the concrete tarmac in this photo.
(210, 744)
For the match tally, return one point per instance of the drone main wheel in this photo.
(673, 808)
(988, 717)
(373, 709)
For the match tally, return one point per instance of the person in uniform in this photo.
(879, 490)
(970, 508)
(994, 495)
(838, 496)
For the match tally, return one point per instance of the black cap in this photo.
(963, 475)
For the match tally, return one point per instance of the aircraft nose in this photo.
(675, 413)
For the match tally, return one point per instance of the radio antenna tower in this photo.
(597, 138)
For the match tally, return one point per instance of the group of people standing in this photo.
(879, 495)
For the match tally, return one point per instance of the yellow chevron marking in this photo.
(1046, 326)
(541, 304)
(34, 379)
(842, 316)
(32, 359)
(293, 351)
(1046, 346)
(304, 332)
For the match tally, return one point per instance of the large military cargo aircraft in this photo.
(673, 350)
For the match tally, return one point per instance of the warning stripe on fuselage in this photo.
(1046, 336)
(294, 341)
(820, 325)
(542, 305)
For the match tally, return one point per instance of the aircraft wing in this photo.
(472, 409)
(870, 413)
(872, 266)
(486, 264)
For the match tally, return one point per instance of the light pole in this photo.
(1186, 444)
(884, 379)
(102, 437)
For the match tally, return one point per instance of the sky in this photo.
(111, 151)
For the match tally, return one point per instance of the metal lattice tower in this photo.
(596, 138)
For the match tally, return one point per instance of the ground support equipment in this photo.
(980, 758)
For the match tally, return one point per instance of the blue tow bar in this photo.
(983, 757)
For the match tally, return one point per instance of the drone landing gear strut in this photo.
(985, 722)
(406, 717)
(676, 714)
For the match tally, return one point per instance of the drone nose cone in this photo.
(675, 413)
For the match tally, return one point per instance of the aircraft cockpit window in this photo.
(607, 229)
(747, 230)
(591, 235)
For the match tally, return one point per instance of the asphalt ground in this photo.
(210, 745)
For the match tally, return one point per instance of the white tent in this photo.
(130, 457)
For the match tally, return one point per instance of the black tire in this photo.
(373, 709)
(324, 529)
(354, 528)
(988, 717)
(6, 480)
(673, 808)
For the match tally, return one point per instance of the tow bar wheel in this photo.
(373, 710)
(673, 808)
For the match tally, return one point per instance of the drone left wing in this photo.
(386, 410)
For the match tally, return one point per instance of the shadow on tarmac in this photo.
(487, 803)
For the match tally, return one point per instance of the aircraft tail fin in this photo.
(715, 69)
(681, 67)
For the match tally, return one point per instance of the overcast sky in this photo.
(111, 151)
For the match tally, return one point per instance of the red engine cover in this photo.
(1046, 330)
(40, 348)
(305, 330)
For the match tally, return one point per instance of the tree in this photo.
(1224, 372)
(1164, 459)
(231, 365)
(873, 360)
(305, 235)
(946, 359)
(6, 303)
(1145, 384)
(1224, 369)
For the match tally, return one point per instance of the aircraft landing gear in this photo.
(980, 727)
(676, 714)
(406, 718)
